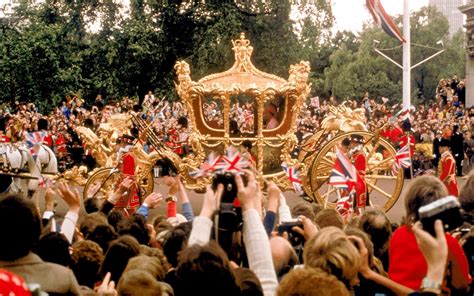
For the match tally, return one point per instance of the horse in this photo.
(46, 164)
(15, 159)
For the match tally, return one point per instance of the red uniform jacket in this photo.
(360, 164)
(130, 201)
(396, 134)
(447, 173)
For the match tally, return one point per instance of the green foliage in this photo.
(356, 67)
(51, 51)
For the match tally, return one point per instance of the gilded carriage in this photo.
(217, 104)
(244, 103)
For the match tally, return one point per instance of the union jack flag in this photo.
(383, 19)
(34, 140)
(233, 162)
(345, 205)
(294, 177)
(344, 176)
(402, 159)
(343, 173)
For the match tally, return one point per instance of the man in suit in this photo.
(457, 147)
(447, 168)
(20, 229)
(436, 153)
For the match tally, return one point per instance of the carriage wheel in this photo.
(102, 183)
(384, 188)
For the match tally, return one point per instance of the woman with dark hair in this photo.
(116, 258)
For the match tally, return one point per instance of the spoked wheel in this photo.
(104, 180)
(384, 187)
(101, 183)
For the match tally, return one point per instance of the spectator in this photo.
(18, 241)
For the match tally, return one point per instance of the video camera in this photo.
(294, 237)
(230, 212)
(446, 209)
(164, 167)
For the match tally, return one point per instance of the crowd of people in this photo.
(97, 248)
(102, 251)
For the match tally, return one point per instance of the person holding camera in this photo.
(254, 236)
(407, 264)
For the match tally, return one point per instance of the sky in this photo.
(351, 14)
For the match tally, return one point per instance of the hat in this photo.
(444, 143)
(128, 139)
(357, 139)
(346, 142)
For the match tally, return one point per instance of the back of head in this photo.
(86, 258)
(331, 251)
(303, 209)
(138, 282)
(376, 224)
(422, 191)
(311, 282)
(90, 221)
(20, 227)
(175, 241)
(42, 124)
(148, 264)
(136, 227)
(91, 205)
(328, 217)
(205, 270)
(102, 234)
(114, 218)
(283, 255)
(54, 247)
(116, 258)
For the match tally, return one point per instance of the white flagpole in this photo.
(406, 56)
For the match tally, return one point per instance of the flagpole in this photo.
(406, 56)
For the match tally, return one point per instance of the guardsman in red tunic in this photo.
(129, 201)
(360, 163)
(447, 168)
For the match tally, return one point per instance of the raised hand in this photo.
(107, 288)
(246, 194)
(211, 201)
(71, 197)
(153, 200)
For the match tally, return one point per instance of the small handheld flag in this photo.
(294, 177)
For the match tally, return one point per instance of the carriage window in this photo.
(212, 110)
(243, 109)
(274, 112)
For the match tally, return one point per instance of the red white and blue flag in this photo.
(402, 159)
(343, 173)
(233, 162)
(34, 140)
(383, 19)
(294, 177)
(345, 205)
(344, 176)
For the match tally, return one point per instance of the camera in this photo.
(295, 238)
(164, 167)
(446, 209)
(230, 213)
